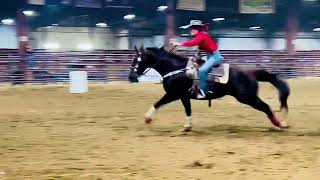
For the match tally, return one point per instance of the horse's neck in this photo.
(170, 65)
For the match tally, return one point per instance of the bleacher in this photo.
(113, 65)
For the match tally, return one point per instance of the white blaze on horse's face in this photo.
(137, 65)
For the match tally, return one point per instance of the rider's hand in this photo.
(174, 42)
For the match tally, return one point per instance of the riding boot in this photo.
(196, 91)
(201, 94)
(196, 83)
(195, 87)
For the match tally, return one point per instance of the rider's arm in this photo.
(193, 42)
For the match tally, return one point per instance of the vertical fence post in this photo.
(171, 25)
(292, 25)
(23, 42)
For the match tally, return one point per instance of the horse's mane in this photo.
(162, 53)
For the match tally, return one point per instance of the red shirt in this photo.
(204, 41)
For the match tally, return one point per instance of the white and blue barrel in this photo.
(78, 82)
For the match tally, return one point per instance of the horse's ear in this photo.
(136, 50)
(142, 49)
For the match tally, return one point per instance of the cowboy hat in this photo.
(193, 23)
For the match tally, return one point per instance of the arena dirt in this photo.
(47, 133)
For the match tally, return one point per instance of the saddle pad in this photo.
(220, 74)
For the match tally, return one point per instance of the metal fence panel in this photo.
(113, 65)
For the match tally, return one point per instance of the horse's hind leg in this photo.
(167, 98)
(260, 105)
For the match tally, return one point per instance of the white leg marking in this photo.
(188, 122)
(150, 112)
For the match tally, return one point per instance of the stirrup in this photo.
(201, 94)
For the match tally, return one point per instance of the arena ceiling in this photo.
(149, 19)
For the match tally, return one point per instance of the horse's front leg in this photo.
(187, 107)
(167, 98)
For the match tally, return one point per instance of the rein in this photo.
(157, 62)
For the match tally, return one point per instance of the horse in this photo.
(242, 84)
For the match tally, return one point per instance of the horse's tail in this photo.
(281, 85)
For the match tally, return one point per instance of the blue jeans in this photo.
(212, 59)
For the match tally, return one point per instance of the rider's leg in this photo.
(213, 59)
(192, 72)
(196, 84)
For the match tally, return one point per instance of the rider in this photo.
(205, 43)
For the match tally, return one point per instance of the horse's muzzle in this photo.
(133, 77)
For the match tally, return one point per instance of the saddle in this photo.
(219, 73)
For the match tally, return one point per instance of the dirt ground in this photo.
(47, 133)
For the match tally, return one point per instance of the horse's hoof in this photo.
(148, 120)
(186, 129)
(284, 125)
(285, 110)
(276, 129)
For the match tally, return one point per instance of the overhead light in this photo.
(316, 29)
(85, 46)
(255, 28)
(65, 2)
(29, 13)
(8, 21)
(218, 19)
(162, 8)
(129, 16)
(51, 46)
(101, 25)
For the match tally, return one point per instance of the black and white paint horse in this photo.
(243, 85)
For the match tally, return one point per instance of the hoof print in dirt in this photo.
(198, 164)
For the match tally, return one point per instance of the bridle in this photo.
(155, 64)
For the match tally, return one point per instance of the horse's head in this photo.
(142, 60)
